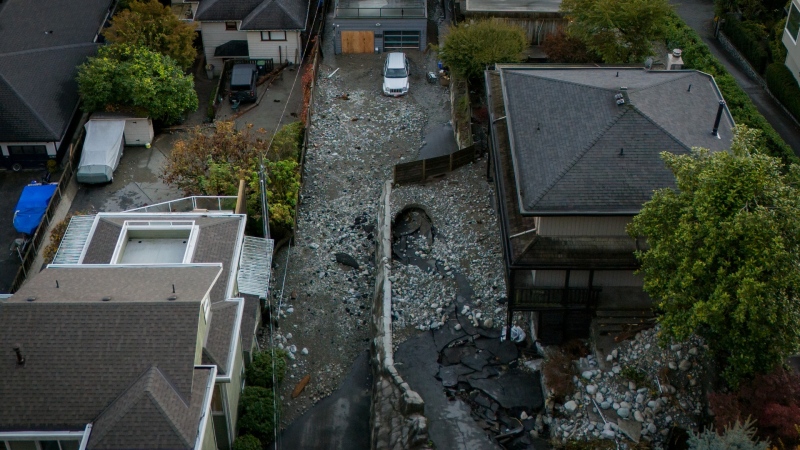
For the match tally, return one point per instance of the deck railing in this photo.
(553, 297)
(189, 204)
(376, 13)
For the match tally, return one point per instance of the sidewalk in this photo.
(699, 15)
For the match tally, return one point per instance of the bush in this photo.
(750, 39)
(696, 55)
(560, 47)
(740, 436)
(772, 399)
(776, 48)
(470, 47)
(247, 442)
(783, 85)
(258, 413)
(259, 373)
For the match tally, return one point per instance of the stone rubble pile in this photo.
(610, 404)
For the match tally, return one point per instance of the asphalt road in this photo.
(699, 14)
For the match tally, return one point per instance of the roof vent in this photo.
(18, 351)
(674, 60)
(31, 299)
(172, 297)
(620, 99)
(106, 298)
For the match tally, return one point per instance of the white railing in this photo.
(190, 204)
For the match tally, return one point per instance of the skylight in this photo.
(155, 242)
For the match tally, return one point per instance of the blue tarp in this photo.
(31, 206)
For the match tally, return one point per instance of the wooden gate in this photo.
(358, 41)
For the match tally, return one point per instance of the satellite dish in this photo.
(648, 63)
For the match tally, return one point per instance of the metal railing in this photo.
(554, 297)
(190, 204)
(373, 13)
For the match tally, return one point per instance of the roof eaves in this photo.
(55, 136)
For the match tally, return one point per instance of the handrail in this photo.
(192, 203)
(379, 12)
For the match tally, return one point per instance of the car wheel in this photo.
(16, 167)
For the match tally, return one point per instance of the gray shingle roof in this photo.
(257, 14)
(151, 404)
(88, 284)
(41, 45)
(80, 357)
(567, 132)
(220, 333)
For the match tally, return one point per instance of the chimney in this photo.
(674, 60)
(719, 117)
(18, 351)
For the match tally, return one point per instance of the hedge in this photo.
(782, 84)
(696, 55)
(748, 41)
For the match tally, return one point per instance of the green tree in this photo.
(213, 163)
(470, 47)
(621, 31)
(130, 77)
(258, 413)
(724, 254)
(152, 25)
(260, 371)
(247, 442)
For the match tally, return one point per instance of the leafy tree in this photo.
(723, 254)
(470, 47)
(741, 436)
(150, 24)
(247, 442)
(125, 76)
(213, 164)
(621, 31)
(258, 413)
(560, 47)
(259, 372)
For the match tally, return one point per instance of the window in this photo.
(793, 23)
(41, 445)
(273, 35)
(19, 150)
(230, 26)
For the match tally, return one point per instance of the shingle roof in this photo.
(252, 305)
(257, 14)
(88, 284)
(80, 357)
(151, 404)
(567, 133)
(220, 333)
(41, 45)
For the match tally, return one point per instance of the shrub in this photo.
(259, 373)
(470, 47)
(247, 442)
(783, 85)
(559, 370)
(772, 399)
(560, 47)
(258, 413)
(776, 48)
(696, 55)
(740, 436)
(749, 38)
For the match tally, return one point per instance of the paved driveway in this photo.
(11, 185)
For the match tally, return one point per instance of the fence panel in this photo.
(422, 170)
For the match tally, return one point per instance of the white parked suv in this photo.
(395, 75)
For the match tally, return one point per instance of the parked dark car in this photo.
(243, 83)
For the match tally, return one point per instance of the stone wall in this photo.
(396, 417)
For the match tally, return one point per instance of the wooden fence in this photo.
(425, 169)
(35, 244)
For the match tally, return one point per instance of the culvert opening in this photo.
(412, 236)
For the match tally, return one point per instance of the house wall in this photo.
(378, 26)
(209, 440)
(215, 34)
(233, 390)
(792, 49)
(202, 332)
(290, 49)
(7, 160)
(583, 225)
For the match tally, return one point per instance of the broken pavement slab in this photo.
(513, 389)
(630, 428)
(450, 374)
(447, 334)
(505, 351)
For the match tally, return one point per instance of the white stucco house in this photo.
(790, 39)
(249, 29)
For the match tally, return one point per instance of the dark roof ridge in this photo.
(582, 153)
(166, 415)
(664, 130)
(665, 81)
(555, 80)
(47, 49)
(31, 109)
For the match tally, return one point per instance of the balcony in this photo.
(537, 298)
(183, 11)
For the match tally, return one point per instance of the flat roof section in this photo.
(549, 6)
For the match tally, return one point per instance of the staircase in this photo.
(613, 322)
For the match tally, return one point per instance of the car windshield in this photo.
(396, 73)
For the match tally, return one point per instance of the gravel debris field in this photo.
(356, 138)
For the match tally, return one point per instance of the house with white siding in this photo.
(575, 153)
(791, 34)
(259, 30)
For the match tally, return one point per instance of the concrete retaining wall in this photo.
(397, 416)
